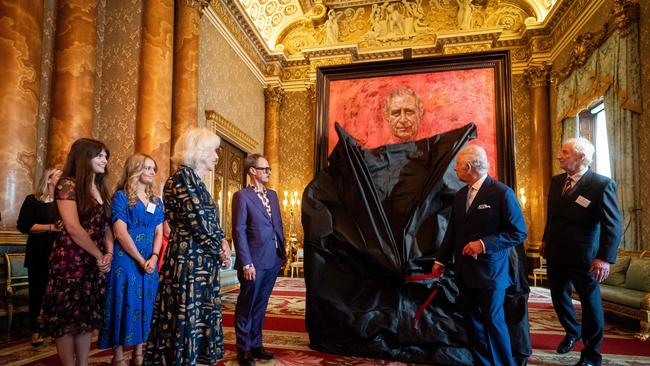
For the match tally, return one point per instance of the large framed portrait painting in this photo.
(395, 101)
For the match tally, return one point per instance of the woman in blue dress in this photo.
(133, 280)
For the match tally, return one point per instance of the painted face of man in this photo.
(404, 117)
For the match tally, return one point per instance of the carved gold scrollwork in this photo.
(200, 4)
(311, 93)
(584, 46)
(538, 76)
(274, 95)
(624, 13)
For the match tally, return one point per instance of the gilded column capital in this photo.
(274, 95)
(624, 13)
(538, 76)
(196, 4)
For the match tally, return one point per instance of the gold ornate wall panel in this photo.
(118, 93)
(644, 138)
(296, 148)
(227, 86)
(521, 111)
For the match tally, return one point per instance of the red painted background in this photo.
(451, 99)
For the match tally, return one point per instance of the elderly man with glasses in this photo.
(259, 241)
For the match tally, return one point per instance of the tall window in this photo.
(592, 125)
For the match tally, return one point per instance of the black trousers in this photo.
(561, 276)
(37, 276)
(516, 312)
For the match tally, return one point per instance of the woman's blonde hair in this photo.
(42, 191)
(194, 146)
(131, 176)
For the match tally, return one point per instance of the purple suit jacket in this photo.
(254, 232)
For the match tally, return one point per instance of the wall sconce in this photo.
(522, 197)
(291, 203)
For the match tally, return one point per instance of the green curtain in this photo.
(613, 71)
(622, 107)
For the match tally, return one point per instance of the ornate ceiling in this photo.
(287, 40)
(288, 26)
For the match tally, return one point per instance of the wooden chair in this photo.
(539, 272)
(298, 264)
(16, 281)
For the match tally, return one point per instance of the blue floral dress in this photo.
(131, 292)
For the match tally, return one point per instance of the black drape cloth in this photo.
(372, 218)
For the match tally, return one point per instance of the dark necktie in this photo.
(567, 186)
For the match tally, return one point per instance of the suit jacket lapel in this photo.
(481, 192)
(257, 202)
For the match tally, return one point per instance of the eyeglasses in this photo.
(266, 170)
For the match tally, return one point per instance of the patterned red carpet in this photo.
(285, 334)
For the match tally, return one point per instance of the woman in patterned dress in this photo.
(186, 327)
(73, 305)
(133, 279)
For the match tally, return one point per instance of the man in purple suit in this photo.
(259, 243)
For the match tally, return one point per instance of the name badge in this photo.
(582, 201)
(151, 208)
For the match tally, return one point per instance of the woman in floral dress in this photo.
(73, 305)
(133, 279)
(186, 327)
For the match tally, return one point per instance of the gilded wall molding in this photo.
(230, 131)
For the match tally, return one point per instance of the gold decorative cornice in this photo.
(315, 64)
(12, 237)
(453, 49)
(228, 130)
(624, 12)
(538, 76)
(274, 95)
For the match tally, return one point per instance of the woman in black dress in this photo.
(37, 219)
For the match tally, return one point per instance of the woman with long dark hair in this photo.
(37, 219)
(133, 280)
(73, 305)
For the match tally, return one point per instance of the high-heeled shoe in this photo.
(36, 340)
